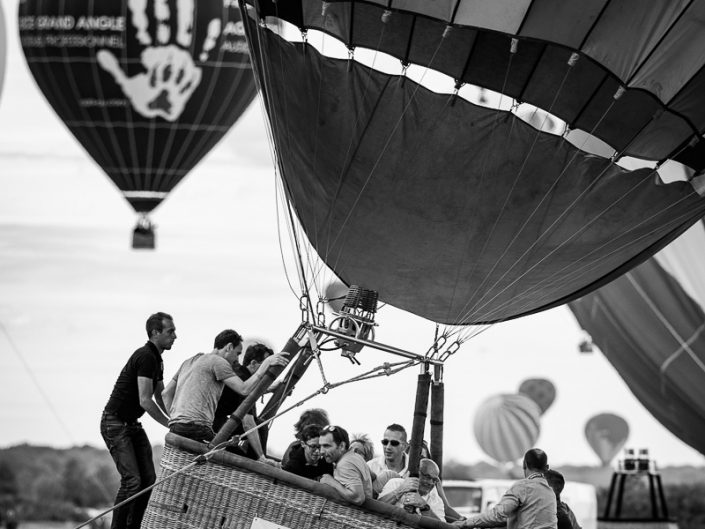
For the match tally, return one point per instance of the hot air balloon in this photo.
(506, 426)
(606, 434)
(148, 88)
(540, 390)
(465, 214)
(649, 323)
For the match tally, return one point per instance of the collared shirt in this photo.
(351, 472)
(433, 500)
(528, 504)
(379, 465)
(125, 398)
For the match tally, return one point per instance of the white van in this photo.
(472, 497)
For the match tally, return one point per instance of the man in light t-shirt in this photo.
(351, 478)
(418, 494)
(192, 395)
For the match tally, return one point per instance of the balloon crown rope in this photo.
(349, 332)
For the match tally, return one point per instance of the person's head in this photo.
(313, 416)
(425, 450)
(229, 344)
(535, 460)
(429, 475)
(334, 443)
(255, 355)
(363, 445)
(394, 443)
(556, 481)
(161, 331)
(309, 442)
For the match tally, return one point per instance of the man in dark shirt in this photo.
(566, 518)
(138, 389)
(230, 400)
(305, 458)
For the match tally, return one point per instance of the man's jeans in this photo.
(197, 432)
(132, 453)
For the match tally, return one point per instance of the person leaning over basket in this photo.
(192, 395)
(351, 478)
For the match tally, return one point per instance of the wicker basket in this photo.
(230, 492)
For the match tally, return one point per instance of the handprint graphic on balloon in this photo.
(171, 75)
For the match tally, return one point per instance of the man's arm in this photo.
(393, 490)
(355, 494)
(168, 395)
(158, 397)
(248, 422)
(146, 392)
(245, 388)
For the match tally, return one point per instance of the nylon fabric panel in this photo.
(680, 56)
(546, 20)
(395, 186)
(628, 31)
(688, 102)
(477, 54)
(146, 92)
(660, 137)
(637, 343)
(505, 16)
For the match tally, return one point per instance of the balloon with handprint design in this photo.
(147, 87)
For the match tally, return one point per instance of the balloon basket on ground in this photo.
(629, 470)
(230, 491)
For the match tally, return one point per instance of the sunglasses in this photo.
(392, 442)
(327, 429)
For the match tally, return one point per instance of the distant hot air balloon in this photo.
(506, 426)
(540, 390)
(148, 88)
(606, 434)
(335, 293)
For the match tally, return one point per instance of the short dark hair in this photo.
(339, 434)
(555, 480)
(536, 459)
(156, 322)
(257, 352)
(309, 432)
(225, 337)
(394, 427)
(313, 416)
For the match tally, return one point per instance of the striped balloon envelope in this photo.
(506, 426)
(650, 325)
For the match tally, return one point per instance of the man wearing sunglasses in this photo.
(351, 478)
(305, 458)
(394, 457)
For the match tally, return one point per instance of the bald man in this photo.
(417, 493)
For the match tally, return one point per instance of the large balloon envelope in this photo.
(148, 88)
(540, 390)
(506, 426)
(606, 433)
(465, 214)
(650, 325)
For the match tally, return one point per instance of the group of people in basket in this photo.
(208, 387)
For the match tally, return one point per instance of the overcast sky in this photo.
(74, 298)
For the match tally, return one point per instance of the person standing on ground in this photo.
(137, 390)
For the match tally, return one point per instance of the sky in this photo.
(74, 298)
